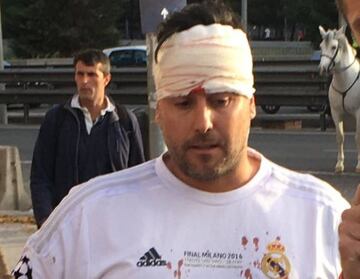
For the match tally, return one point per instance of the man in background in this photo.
(87, 136)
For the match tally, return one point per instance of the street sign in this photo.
(153, 12)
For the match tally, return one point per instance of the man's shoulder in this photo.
(118, 184)
(127, 115)
(59, 108)
(56, 111)
(299, 185)
(308, 187)
(124, 116)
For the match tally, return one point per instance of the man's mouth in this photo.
(85, 92)
(204, 146)
(204, 143)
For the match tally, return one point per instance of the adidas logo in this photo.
(151, 258)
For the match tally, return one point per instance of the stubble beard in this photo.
(207, 171)
(85, 93)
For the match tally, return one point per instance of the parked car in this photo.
(127, 56)
(6, 64)
(272, 109)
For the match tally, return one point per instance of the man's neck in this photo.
(94, 107)
(231, 181)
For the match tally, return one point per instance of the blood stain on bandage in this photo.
(198, 89)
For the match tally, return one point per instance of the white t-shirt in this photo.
(143, 222)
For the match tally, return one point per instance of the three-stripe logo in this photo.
(151, 258)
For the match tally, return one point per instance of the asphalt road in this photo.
(309, 151)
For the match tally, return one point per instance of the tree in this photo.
(50, 28)
(58, 28)
(310, 14)
(289, 14)
(129, 19)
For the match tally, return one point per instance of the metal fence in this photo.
(280, 83)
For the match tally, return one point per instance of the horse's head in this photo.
(333, 47)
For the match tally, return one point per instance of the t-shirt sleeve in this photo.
(33, 265)
(56, 252)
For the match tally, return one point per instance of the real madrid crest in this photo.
(275, 264)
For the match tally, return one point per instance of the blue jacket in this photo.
(54, 169)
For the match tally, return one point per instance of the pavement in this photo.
(15, 228)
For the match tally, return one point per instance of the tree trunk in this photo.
(285, 30)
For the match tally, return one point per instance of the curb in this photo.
(3, 270)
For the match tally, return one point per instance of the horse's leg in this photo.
(357, 140)
(339, 127)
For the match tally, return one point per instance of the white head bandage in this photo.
(216, 58)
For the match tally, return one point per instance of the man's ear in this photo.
(107, 79)
(252, 108)
(157, 114)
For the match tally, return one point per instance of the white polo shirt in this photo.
(89, 123)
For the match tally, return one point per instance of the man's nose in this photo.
(203, 120)
(85, 78)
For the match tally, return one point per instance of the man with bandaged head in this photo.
(210, 206)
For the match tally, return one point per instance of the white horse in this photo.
(339, 59)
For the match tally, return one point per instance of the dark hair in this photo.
(91, 57)
(206, 13)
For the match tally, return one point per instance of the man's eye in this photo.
(221, 102)
(182, 104)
